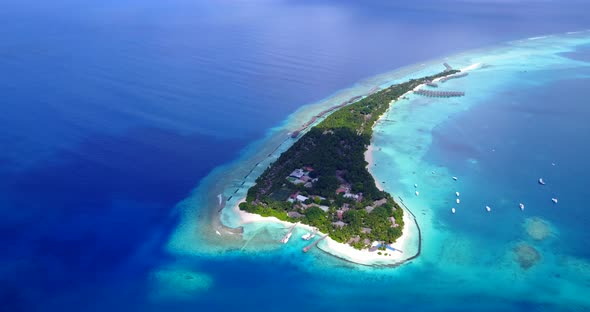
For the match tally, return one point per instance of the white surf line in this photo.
(537, 38)
(471, 67)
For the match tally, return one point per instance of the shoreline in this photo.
(340, 250)
(389, 258)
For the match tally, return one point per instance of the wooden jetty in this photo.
(447, 67)
(285, 238)
(310, 246)
(446, 94)
(432, 84)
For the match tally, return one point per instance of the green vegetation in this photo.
(266, 210)
(337, 194)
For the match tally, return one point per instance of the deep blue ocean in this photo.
(114, 111)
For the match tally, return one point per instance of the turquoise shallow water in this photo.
(524, 116)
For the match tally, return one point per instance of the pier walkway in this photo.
(310, 246)
(432, 93)
(285, 238)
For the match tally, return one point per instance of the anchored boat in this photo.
(308, 236)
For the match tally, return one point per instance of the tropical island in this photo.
(322, 180)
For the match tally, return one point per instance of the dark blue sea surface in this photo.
(113, 111)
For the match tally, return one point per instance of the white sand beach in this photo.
(246, 218)
(340, 250)
(365, 257)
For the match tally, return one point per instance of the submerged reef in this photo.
(179, 283)
(526, 255)
(537, 228)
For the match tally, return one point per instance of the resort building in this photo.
(339, 224)
(297, 173)
(294, 214)
(301, 198)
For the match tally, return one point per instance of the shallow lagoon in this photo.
(498, 140)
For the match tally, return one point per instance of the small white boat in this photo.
(217, 232)
(541, 181)
(417, 193)
(415, 185)
(521, 205)
(554, 200)
(453, 210)
(285, 239)
(457, 193)
(455, 178)
(306, 236)
(220, 197)
(488, 209)
(458, 201)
